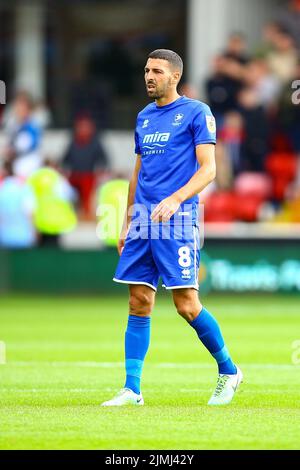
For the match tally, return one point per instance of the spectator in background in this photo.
(223, 86)
(288, 115)
(188, 90)
(92, 94)
(8, 121)
(84, 158)
(266, 85)
(40, 113)
(231, 136)
(256, 131)
(17, 205)
(24, 137)
(54, 214)
(269, 34)
(221, 90)
(289, 19)
(236, 48)
(282, 60)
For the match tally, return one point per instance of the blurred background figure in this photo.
(267, 39)
(226, 80)
(24, 135)
(54, 214)
(236, 48)
(90, 93)
(189, 90)
(41, 114)
(111, 202)
(85, 161)
(266, 85)
(231, 137)
(17, 206)
(282, 59)
(289, 18)
(221, 89)
(287, 118)
(255, 143)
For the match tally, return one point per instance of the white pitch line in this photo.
(97, 390)
(174, 365)
(103, 365)
(242, 390)
(50, 390)
(160, 365)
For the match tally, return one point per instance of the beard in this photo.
(157, 93)
(154, 93)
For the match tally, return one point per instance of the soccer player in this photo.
(175, 145)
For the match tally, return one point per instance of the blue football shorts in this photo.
(160, 250)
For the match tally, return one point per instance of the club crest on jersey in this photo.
(211, 124)
(177, 119)
(145, 124)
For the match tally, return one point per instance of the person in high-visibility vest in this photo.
(54, 213)
(112, 201)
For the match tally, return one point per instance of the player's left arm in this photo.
(205, 154)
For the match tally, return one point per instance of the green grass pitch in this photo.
(64, 357)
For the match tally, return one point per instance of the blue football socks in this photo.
(137, 339)
(209, 333)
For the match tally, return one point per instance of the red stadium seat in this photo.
(247, 207)
(282, 167)
(229, 206)
(220, 207)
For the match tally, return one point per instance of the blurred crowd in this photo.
(40, 198)
(258, 152)
(258, 120)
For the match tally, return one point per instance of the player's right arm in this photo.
(130, 202)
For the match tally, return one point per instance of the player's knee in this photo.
(187, 309)
(140, 303)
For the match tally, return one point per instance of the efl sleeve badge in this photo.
(211, 123)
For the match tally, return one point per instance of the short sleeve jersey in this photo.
(166, 138)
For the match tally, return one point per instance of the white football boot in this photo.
(226, 387)
(125, 397)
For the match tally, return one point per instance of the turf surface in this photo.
(64, 357)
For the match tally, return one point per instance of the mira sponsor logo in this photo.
(156, 138)
(154, 144)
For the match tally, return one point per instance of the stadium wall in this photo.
(227, 266)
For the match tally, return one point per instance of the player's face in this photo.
(159, 78)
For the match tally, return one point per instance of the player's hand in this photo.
(121, 241)
(166, 208)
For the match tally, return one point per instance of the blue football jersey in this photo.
(166, 138)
